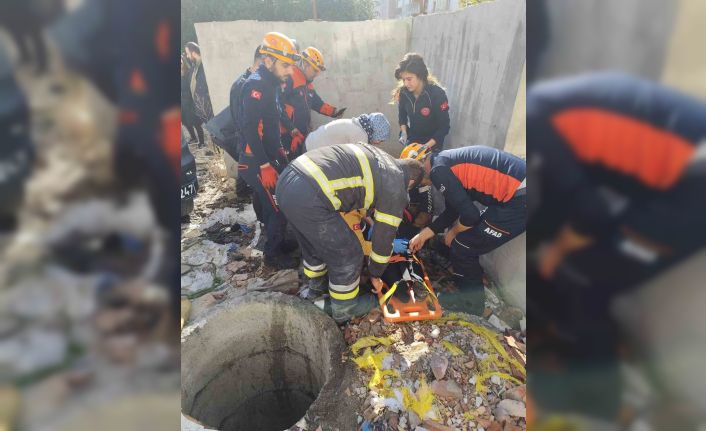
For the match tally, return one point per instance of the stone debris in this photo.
(286, 281)
(446, 389)
(453, 379)
(507, 407)
(439, 364)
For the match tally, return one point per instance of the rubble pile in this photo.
(455, 373)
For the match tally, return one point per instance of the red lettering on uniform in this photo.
(256, 94)
(444, 106)
(425, 112)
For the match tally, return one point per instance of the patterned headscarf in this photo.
(375, 125)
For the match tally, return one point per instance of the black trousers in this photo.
(270, 213)
(498, 225)
(328, 245)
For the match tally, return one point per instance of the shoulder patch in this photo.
(444, 106)
(256, 94)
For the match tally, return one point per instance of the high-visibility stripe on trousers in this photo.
(326, 241)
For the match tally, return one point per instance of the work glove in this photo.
(297, 140)
(399, 246)
(338, 113)
(403, 138)
(268, 176)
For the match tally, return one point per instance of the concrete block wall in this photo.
(478, 54)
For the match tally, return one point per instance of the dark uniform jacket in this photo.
(259, 118)
(427, 116)
(476, 173)
(356, 177)
(613, 135)
(298, 98)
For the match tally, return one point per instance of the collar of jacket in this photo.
(268, 76)
(298, 77)
(410, 94)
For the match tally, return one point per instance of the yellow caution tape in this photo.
(492, 363)
(452, 348)
(374, 361)
(420, 403)
(369, 341)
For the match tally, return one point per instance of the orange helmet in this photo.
(415, 151)
(314, 57)
(280, 47)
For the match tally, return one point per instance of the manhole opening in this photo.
(255, 366)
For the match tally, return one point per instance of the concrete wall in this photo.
(653, 39)
(627, 35)
(478, 54)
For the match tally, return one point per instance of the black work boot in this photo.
(343, 311)
(469, 298)
(280, 261)
(316, 289)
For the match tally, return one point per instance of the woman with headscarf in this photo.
(369, 128)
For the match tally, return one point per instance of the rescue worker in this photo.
(235, 102)
(262, 157)
(299, 97)
(313, 191)
(425, 202)
(493, 178)
(620, 168)
(422, 104)
(370, 128)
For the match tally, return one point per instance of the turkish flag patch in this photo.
(255, 94)
(425, 112)
(444, 106)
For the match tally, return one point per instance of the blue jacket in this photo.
(613, 131)
(476, 173)
(259, 118)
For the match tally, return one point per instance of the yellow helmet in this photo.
(314, 57)
(280, 47)
(415, 151)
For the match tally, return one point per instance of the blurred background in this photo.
(616, 143)
(89, 214)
